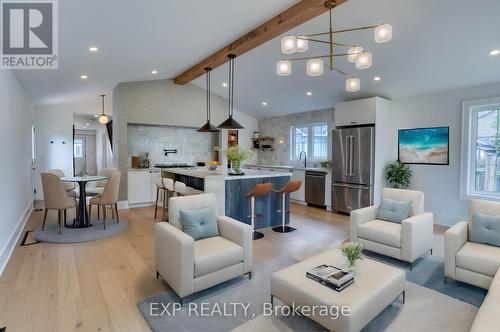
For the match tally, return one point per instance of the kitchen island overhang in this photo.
(231, 190)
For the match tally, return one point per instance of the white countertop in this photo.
(319, 169)
(203, 172)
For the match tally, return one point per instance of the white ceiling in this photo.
(437, 45)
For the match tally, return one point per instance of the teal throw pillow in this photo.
(393, 210)
(485, 229)
(199, 223)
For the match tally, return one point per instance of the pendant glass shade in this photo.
(315, 67)
(352, 84)
(302, 44)
(353, 53)
(289, 44)
(103, 119)
(208, 127)
(383, 33)
(364, 60)
(231, 123)
(284, 67)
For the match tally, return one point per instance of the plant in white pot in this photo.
(236, 155)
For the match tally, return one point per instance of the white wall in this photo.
(441, 184)
(16, 190)
(54, 136)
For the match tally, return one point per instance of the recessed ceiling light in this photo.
(309, 93)
(377, 78)
(154, 72)
(224, 84)
(264, 103)
(93, 49)
(87, 124)
(96, 116)
(83, 77)
(495, 52)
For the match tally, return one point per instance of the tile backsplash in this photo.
(191, 146)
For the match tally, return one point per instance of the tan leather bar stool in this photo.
(287, 189)
(261, 189)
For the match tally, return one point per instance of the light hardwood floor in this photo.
(95, 286)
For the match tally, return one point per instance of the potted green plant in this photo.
(353, 252)
(236, 154)
(398, 174)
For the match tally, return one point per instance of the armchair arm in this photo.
(174, 256)
(239, 233)
(454, 238)
(417, 236)
(359, 217)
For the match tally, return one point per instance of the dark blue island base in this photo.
(266, 207)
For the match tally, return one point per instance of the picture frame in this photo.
(424, 146)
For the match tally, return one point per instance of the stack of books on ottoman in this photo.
(331, 276)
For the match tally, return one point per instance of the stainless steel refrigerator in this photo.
(352, 168)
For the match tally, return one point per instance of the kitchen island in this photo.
(231, 190)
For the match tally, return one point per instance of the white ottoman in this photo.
(376, 286)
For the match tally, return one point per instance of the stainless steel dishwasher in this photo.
(315, 188)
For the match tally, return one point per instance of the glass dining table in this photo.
(82, 216)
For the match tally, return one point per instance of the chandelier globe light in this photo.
(289, 45)
(284, 67)
(315, 64)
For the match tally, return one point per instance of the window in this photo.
(481, 149)
(78, 148)
(310, 138)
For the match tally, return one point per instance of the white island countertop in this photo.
(203, 172)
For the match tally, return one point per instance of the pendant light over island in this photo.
(231, 123)
(208, 127)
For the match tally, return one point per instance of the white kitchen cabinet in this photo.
(328, 191)
(356, 112)
(139, 187)
(299, 195)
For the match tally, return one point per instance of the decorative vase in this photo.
(236, 166)
(351, 266)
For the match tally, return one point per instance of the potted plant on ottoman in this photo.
(353, 252)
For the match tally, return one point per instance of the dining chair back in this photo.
(69, 186)
(55, 197)
(109, 197)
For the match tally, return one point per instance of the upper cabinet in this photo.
(360, 112)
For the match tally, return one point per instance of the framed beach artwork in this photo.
(424, 146)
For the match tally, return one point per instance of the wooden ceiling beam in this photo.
(285, 21)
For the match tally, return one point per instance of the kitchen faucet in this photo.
(305, 158)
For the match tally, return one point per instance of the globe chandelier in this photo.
(362, 59)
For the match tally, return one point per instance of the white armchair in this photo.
(406, 241)
(189, 266)
(470, 262)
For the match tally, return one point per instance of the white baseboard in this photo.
(14, 238)
(138, 205)
(123, 205)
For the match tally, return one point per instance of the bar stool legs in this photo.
(283, 228)
(287, 189)
(256, 235)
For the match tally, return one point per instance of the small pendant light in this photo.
(231, 123)
(208, 127)
(103, 118)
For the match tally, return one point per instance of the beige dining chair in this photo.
(68, 186)
(55, 197)
(108, 197)
(98, 187)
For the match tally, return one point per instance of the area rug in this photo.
(425, 309)
(75, 235)
(428, 271)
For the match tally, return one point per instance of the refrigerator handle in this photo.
(351, 155)
(348, 157)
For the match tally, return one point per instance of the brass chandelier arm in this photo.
(320, 56)
(325, 42)
(341, 31)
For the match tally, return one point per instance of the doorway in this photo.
(84, 152)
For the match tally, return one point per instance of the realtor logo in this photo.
(29, 34)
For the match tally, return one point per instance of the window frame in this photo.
(310, 140)
(468, 149)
